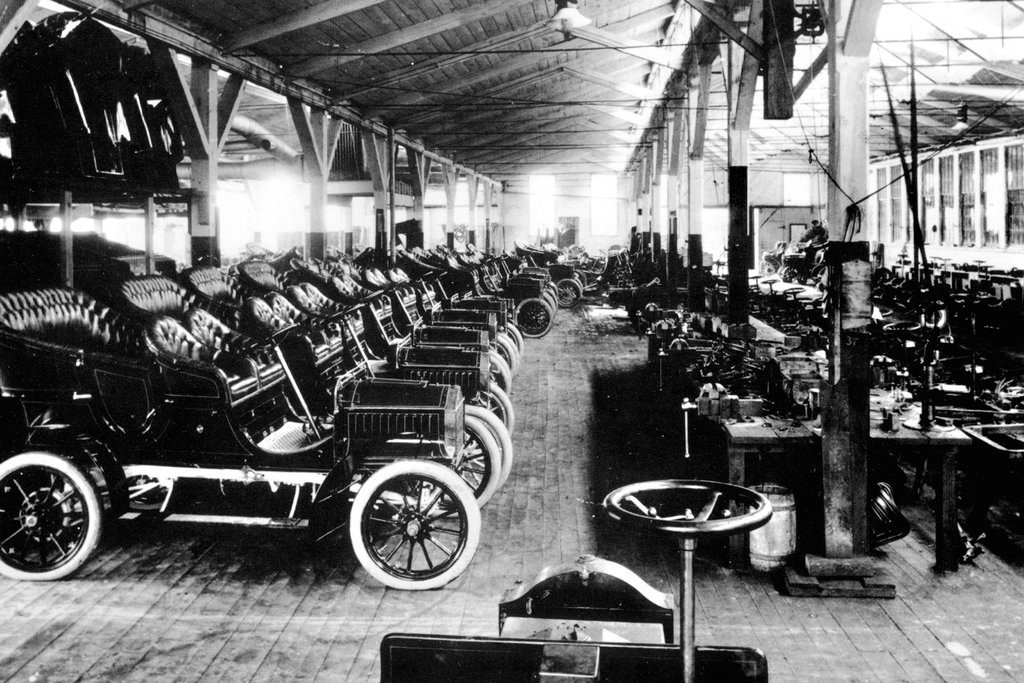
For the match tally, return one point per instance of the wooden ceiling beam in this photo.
(527, 114)
(628, 46)
(404, 36)
(510, 66)
(640, 21)
(295, 20)
(729, 28)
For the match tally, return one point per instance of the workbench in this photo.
(776, 437)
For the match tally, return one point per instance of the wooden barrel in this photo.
(773, 544)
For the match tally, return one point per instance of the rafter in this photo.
(727, 26)
(411, 34)
(295, 20)
(628, 46)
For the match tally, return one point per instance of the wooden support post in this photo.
(203, 215)
(150, 228)
(844, 397)
(473, 187)
(375, 151)
(657, 169)
(488, 201)
(205, 119)
(695, 201)
(419, 172)
(318, 137)
(66, 238)
(739, 239)
(451, 183)
(392, 231)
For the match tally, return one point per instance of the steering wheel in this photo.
(689, 507)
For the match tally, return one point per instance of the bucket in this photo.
(773, 544)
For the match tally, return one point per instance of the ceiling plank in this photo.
(443, 62)
(295, 20)
(393, 39)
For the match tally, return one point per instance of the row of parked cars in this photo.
(377, 402)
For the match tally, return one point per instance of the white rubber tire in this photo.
(461, 497)
(501, 435)
(93, 510)
(507, 348)
(508, 412)
(502, 370)
(513, 331)
(492, 456)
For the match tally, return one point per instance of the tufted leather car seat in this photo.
(256, 278)
(212, 287)
(212, 332)
(191, 364)
(148, 295)
(68, 318)
(308, 299)
(326, 341)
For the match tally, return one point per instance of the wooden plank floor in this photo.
(166, 601)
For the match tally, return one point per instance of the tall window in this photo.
(542, 205)
(899, 209)
(882, 206)
(928, 217)
(967, 236)
(989, 190)
(1015, 195)
(604, 213)
(946, 200)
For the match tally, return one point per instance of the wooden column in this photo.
(419, 172)
(473, 187)
(675, 134)
(203, 226)
(204, 117)
(739, 239)
(696, 126)
(66, 238)
(845, 416)
(451, 182)
(318, 137)
(488, 201)
(657, 169)
(375, 151)
(392, 179)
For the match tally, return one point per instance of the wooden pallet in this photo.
(803, 586)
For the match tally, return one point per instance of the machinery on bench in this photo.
(578, 620)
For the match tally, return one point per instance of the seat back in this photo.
(149, 295)
(69, 318)
(256, 278)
